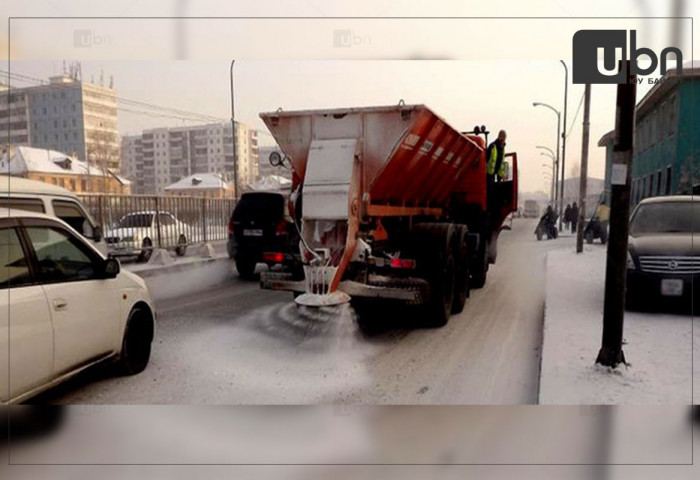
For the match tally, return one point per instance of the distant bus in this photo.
(532, 209)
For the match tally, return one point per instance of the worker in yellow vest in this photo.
(495, 166)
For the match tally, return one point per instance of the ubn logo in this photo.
(586, 44)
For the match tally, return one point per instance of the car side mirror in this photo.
(110, 268)
(97, 233)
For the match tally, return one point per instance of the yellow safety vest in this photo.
(491, 166)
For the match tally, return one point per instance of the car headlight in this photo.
(630, 261)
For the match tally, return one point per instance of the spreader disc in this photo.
(317, 300)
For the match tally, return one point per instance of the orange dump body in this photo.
(409, 156)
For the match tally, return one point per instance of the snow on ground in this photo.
(658, 346)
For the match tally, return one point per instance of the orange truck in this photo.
(392, 205)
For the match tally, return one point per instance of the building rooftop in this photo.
(200, 181)
(670, 79)
(272, 182)
(23, 160)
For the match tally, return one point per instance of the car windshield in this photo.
(666, 217)
(136, 220)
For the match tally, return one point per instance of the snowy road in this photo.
(237, 344)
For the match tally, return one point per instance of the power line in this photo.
(573, 123)
(164, 112)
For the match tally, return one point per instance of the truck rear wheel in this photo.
(461, 258)
(435, 243)
(480, 268)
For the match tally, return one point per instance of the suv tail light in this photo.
(230, 228)
(281, 229)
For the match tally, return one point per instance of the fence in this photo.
(137, 223)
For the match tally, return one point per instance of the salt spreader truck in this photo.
(392, 204)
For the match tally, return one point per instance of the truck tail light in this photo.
(402, 263)
(273, 257)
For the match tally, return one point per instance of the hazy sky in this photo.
(494, 69)
(498, 94)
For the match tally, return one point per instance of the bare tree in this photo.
(102, 151)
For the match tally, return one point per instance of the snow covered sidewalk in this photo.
(659, 347)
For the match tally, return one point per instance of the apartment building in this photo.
(65, 115)
(161, 156)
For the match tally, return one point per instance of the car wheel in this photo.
(136, 345)
(146, 250)
(603, 235)
(181, 246)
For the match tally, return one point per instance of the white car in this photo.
(137, 232)
(64, 307)
(34, 196)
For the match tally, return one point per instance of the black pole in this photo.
(563, 144)
(611, 353)
(583, 177)
(233, 128)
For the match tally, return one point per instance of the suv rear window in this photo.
(35, 205)
(259, 206)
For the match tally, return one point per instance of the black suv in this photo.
(260, 231)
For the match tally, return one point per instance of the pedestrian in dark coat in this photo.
(567, 215)
(574, 217)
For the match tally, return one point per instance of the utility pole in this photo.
(611, 353)
(563, 145)
(583, 176)
(233, 128)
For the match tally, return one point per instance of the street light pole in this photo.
(583, 180)
(551, 189)
(563, 143)
(233, 128)
(561, 186)
(553, 192)
(555, 180)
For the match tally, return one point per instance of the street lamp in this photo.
(555, 168)
(552, 177)
(563, 142)
(540, 104)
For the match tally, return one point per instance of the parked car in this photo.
(260, 231)
(663, 262)
(68, 307)
(137, 232)
(34, 196)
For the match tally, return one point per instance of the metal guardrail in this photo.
(135, 223)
